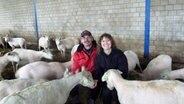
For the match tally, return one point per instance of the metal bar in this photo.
(147, 29)
(36, 20)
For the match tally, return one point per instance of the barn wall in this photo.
(167, 29)
(17, 17)
(124, 19)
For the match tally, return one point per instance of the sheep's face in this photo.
(13, 57)
(87, 79)
(109, 77)
(48, 55)
(6, 38)
(164, 75)
(106, 78)
(57, 41)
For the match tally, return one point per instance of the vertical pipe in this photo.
(36, 21)
(147, 29)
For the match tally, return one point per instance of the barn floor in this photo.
(9, 74)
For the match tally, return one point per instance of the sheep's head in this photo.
(47, 54)
(6, 38)
(107, 77)
(164, 75)
(13, 57)
(60, 45)
(57, 41)
(87, 79)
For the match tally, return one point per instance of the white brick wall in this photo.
(167, 28)
(124, 19)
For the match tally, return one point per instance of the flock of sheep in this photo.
(41, 82)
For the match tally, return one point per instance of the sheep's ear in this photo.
(8, 53)
(12, 53)
(105, 77)
(119, 72)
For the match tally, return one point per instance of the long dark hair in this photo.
(100, 49)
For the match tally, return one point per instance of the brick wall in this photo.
(167, 29)
(124, 19)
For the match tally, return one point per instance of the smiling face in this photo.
(87, 41)
(106, 43)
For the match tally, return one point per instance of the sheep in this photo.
(8, 87)
(132, 60)
(43, 70)
(155, 67)
(15, 42)
(2, 42)
(29, 56)
(74, 49)
(43, 42)
(51, 92)
(144, 92)
(67, 43)
(172, 75)
(8, 57)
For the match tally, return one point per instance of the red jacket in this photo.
(82, 59)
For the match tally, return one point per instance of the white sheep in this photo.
(74, 49)
(43, 70)
(44, 42)
(67, 43)
(133, 60)
(15, 42)
(29, 56)
(172, 75)
(8, 57)
(51, 92)
(8, 87)
(144, 92)
(155, 67)
(2, 42)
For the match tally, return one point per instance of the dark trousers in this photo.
(108, 96)
(93, 93)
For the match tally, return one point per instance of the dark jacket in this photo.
(115, 60)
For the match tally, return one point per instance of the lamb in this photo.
(44, 43)
(67, 43)
(51, 92)
(15, 42)
(8, 87)
(155, 67)
(172, 75)
(29, 56)
(132, 60)
(153, 92)
(43, 70)
(8, 57)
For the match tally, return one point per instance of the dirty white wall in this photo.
(124, 19)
